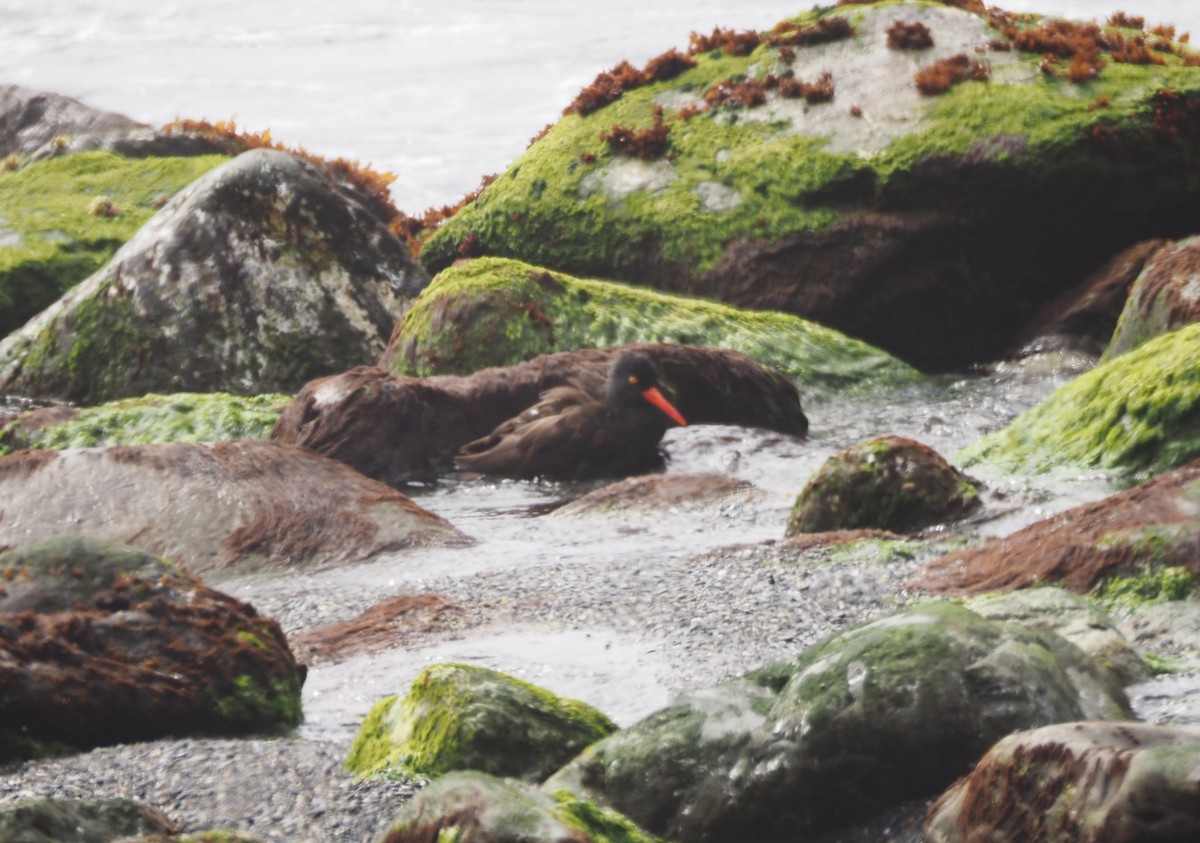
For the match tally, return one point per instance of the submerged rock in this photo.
(1148, 528)
(103, 644)
(929, 226)
(1138, 413)
(462, 717)
(1165, 296)
(477, 808)
(868, 718)
(1085, 782)
(230, 506)
(398, 429)
(887, 483)
(260, 276)
(497, 312)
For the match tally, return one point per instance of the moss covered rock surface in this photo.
(1165, 296)
(78, 821)
(103, 644)
(460, 717)
(496, 312)
(879, 210)
(262, 275)
(870, 717)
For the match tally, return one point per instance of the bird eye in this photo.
(633, 379)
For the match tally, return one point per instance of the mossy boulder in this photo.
(1086, 782)
(78, 821)
(461, 717)
(1165, 296)
(263, 274)
(887, 483)
(183, 417)
(1136, 414)
(1076, 619)
(63, 219)
(496, 312)
(217, 508)
(103, 644)
(870, 717)
(931, 226)
(478, 808)
(1148, 536)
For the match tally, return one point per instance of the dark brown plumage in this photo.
(574, 434)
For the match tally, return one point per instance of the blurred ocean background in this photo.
(440, 94)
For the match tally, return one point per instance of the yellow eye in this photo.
(633, 379)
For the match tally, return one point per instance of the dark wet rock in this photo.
(887, 483)
(103, 644)
(213, 508)
(1155, 525)
(1078, 620)
(261, 275)
(141, 142)
(183, 417)
(30, 119)
(1085, 782)
(463, 717)
(1165, 296)
(1137, 414)
(1084, 317)
(656, 492)
(477, 808)
(874, 211)
(397, 428)
(78, 821)
(497, 312)
(871, 717)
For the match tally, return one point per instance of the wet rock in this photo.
(1153, 526)
(1086, 782)
(1072, 617)
(183, 417)
(497, 312)
(30, 119)
(78, 821)
(265, 241)
(1084, 317)
(887, 483)
(397, 429)
(460, 717)
(102, 644)
(477, 808)
(872, 212)
(384, 626)
(1170, 628)
(1135, 414)
(50, 234)
(871, 717)
(1166, 296)
(653, 493)
(229, 506)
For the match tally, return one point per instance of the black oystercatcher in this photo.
(571, 434)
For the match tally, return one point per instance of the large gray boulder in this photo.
(260, 276)
(30, 119)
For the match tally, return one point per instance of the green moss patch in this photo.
(495, 311)
(1149, 585)
(1138, 413)
(54, 232)
(183, 417)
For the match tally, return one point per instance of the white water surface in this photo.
(440, 94)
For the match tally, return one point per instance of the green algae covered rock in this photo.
(1165, 296)
(870, 717)
(184, 417)
(102, 644)
(496, 312)
(888, 483)
(930, 225)
(1138, 413)
(469, 807)
(459, 717)
(63, 218)
(1086, 782)
(79, 821)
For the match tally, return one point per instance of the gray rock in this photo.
(30, 119)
